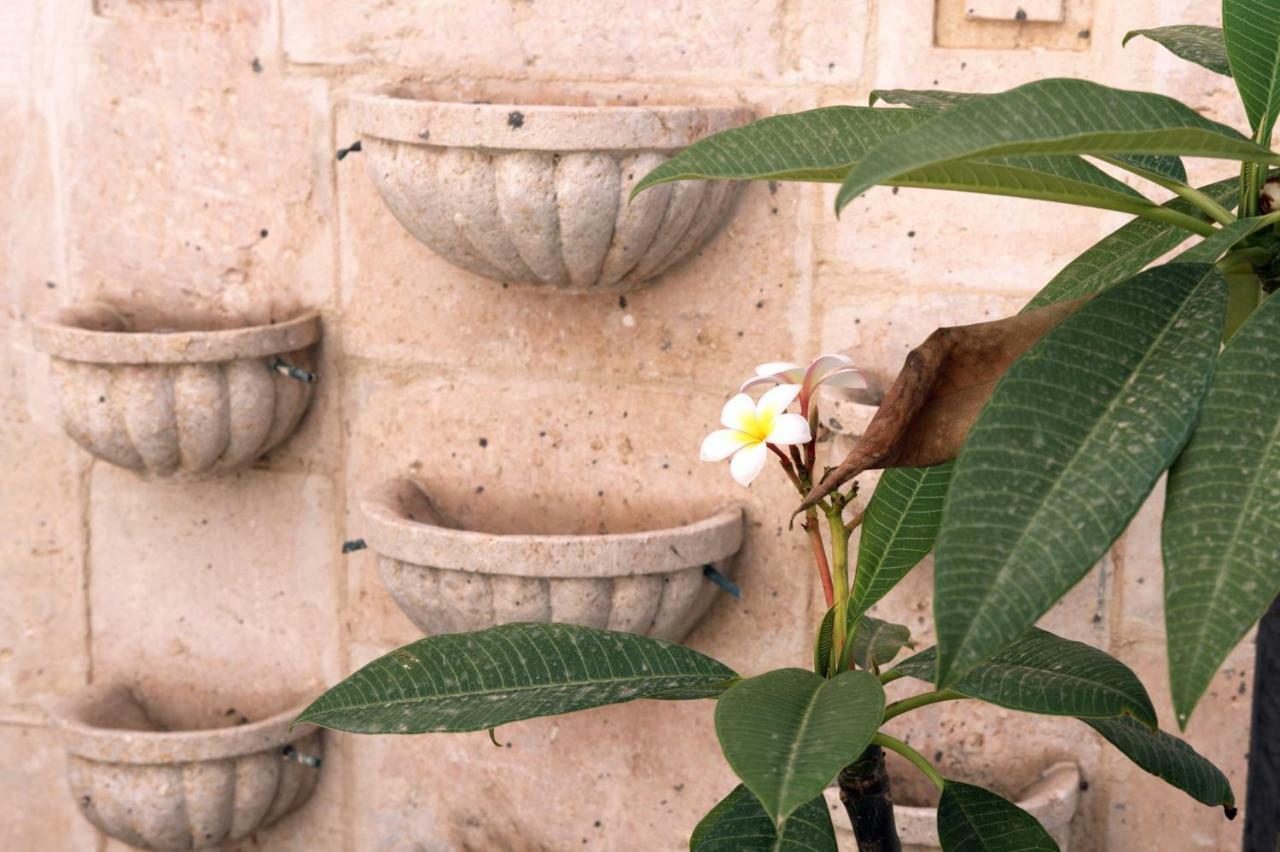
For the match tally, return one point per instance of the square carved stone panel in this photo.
(1012, 24)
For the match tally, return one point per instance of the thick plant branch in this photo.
(864, 790)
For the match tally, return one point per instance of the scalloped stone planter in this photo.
(155, 789)
(538, 194)
(450, 580)
(1052, 800)
(176, 402)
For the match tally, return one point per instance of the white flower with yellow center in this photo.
(750, 427)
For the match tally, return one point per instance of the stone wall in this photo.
(181, 153)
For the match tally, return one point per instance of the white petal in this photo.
(850, 377)
(775, 401)
(738, 413)
(748, 463)
(757, 381)
(789, 429)
(722, 443)
(774, 368)
(822, 367)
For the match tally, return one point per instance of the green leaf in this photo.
(1204, 46)
(473, 681)
(1221, 527)
(1222, 241)
(824, 144)
(787, 733)
(1169, 759)
(876, 642)
(1252, 32)
(898, 530)
(739, 823)
(823, 642)
(1047, 674)
(1050, 117)
(1074, 437)
(936, 101)
(1126, 251)
(971, 819)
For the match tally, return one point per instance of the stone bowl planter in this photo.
(451, 580)
(1052, 800)
(177, 401)
(155, 789)
(538, 194)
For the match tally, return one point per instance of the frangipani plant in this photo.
(1021, 447)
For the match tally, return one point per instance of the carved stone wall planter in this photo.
(1052, 800)
(177, 401)
(537, 194)
(155, 789)
(449, 580)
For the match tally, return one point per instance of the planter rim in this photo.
(395, 114)
(123, 745)
(917, 825)
(60, 336)
(391, 533)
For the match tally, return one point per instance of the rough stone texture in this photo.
(449, 580)
(178, 154)
(157, 788)
(168, 403)
(540, 194)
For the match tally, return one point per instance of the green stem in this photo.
(1204, 203)
(1181, 220)
(906, 705)
(915, 757)
(839, 578)
(890, 676)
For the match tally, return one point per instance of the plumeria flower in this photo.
(835, 370)
(750, 427)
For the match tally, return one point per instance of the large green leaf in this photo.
(1252, 31)
(787, 733)
(898, 530)
(875, 642)
(1221, 241)
(473, 681)
(823, 642)
(824, 144)
(1126, 251)
(1169, 759)
(1044, 673)
(1204, 46)
(1073, 439)
(739, 823)
(1221, 524)
(971, 819)
(1051, 117)
(1148, 165)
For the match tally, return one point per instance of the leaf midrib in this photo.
(1199, 646)
(1002, 575)
(789, 766)
(506, 692)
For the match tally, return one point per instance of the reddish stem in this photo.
(820, 556)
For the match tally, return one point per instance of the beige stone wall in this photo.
(180, 152)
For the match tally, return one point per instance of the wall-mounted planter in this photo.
(176, 403)
(156, 789)
(846, 412)
(450, 580)
(1052, 800)
(537, 194)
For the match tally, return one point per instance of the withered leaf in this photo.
(944, 383)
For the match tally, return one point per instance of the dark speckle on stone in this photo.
(1020, 15)
(515, 119)
(50, 285)
(484, 442)
(1083, 34)
(1084, 785)
(479, 489)
(760, 304)
(256, 65)
(622, 302)
(911, 233)
(264, 233)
